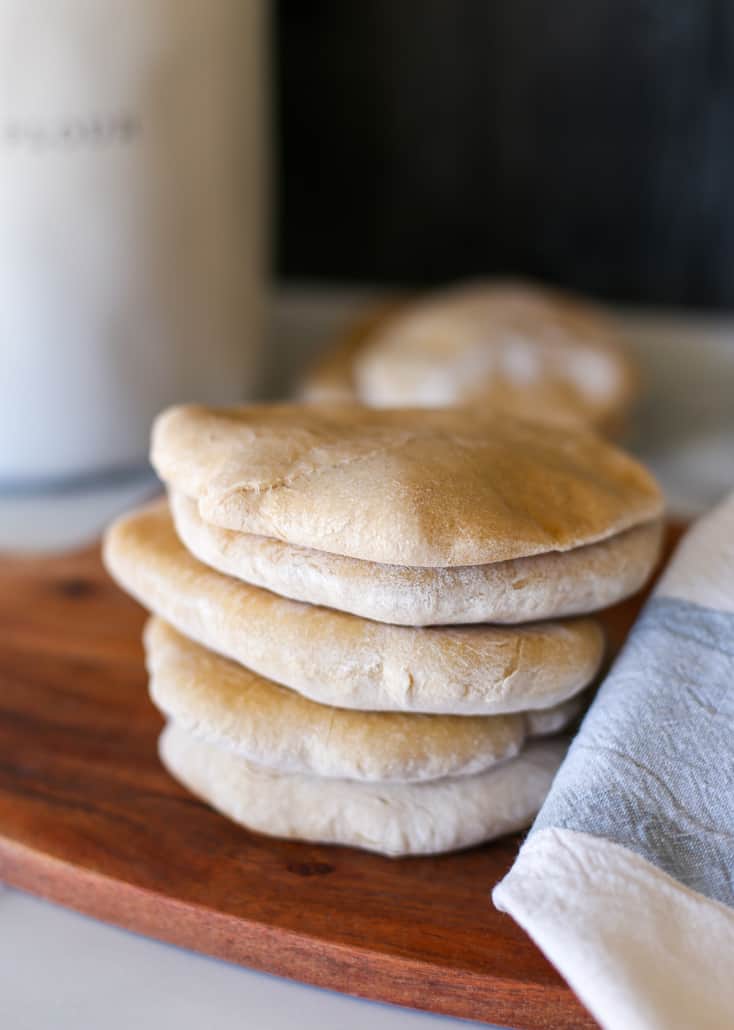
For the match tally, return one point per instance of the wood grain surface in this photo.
(89, 819)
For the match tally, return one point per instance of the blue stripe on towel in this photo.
(652, 767)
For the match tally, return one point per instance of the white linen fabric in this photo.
(626, 881)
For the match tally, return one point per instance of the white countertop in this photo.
(62, 970)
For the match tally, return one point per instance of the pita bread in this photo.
(226, 704)
(544, 586)
(544, 722)
(516, 345)
(502, 342)
(330, 380)
(402, 487)
(390, 818)
(339, 659)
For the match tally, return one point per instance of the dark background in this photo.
(589, 143)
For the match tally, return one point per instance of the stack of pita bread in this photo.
(369, 626)
(525, 347)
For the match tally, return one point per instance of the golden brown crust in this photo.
(330, 380)
(402, 486)
(340, 659)
(544, 586)
(518, 346)
(228, 705)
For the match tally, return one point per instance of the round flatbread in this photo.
(524, 347)
(330, 379)
(545, 586)
(339, 659)
(221, 702)
(390, 818)
(402, 487)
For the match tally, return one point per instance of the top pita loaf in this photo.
(402, 486)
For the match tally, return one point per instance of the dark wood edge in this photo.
(359, 972)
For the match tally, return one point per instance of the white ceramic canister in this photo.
(131, 222)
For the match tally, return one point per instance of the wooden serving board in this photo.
(89, 819)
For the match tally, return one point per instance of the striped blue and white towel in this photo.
(626, 880)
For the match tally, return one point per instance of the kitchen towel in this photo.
(626, 880)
